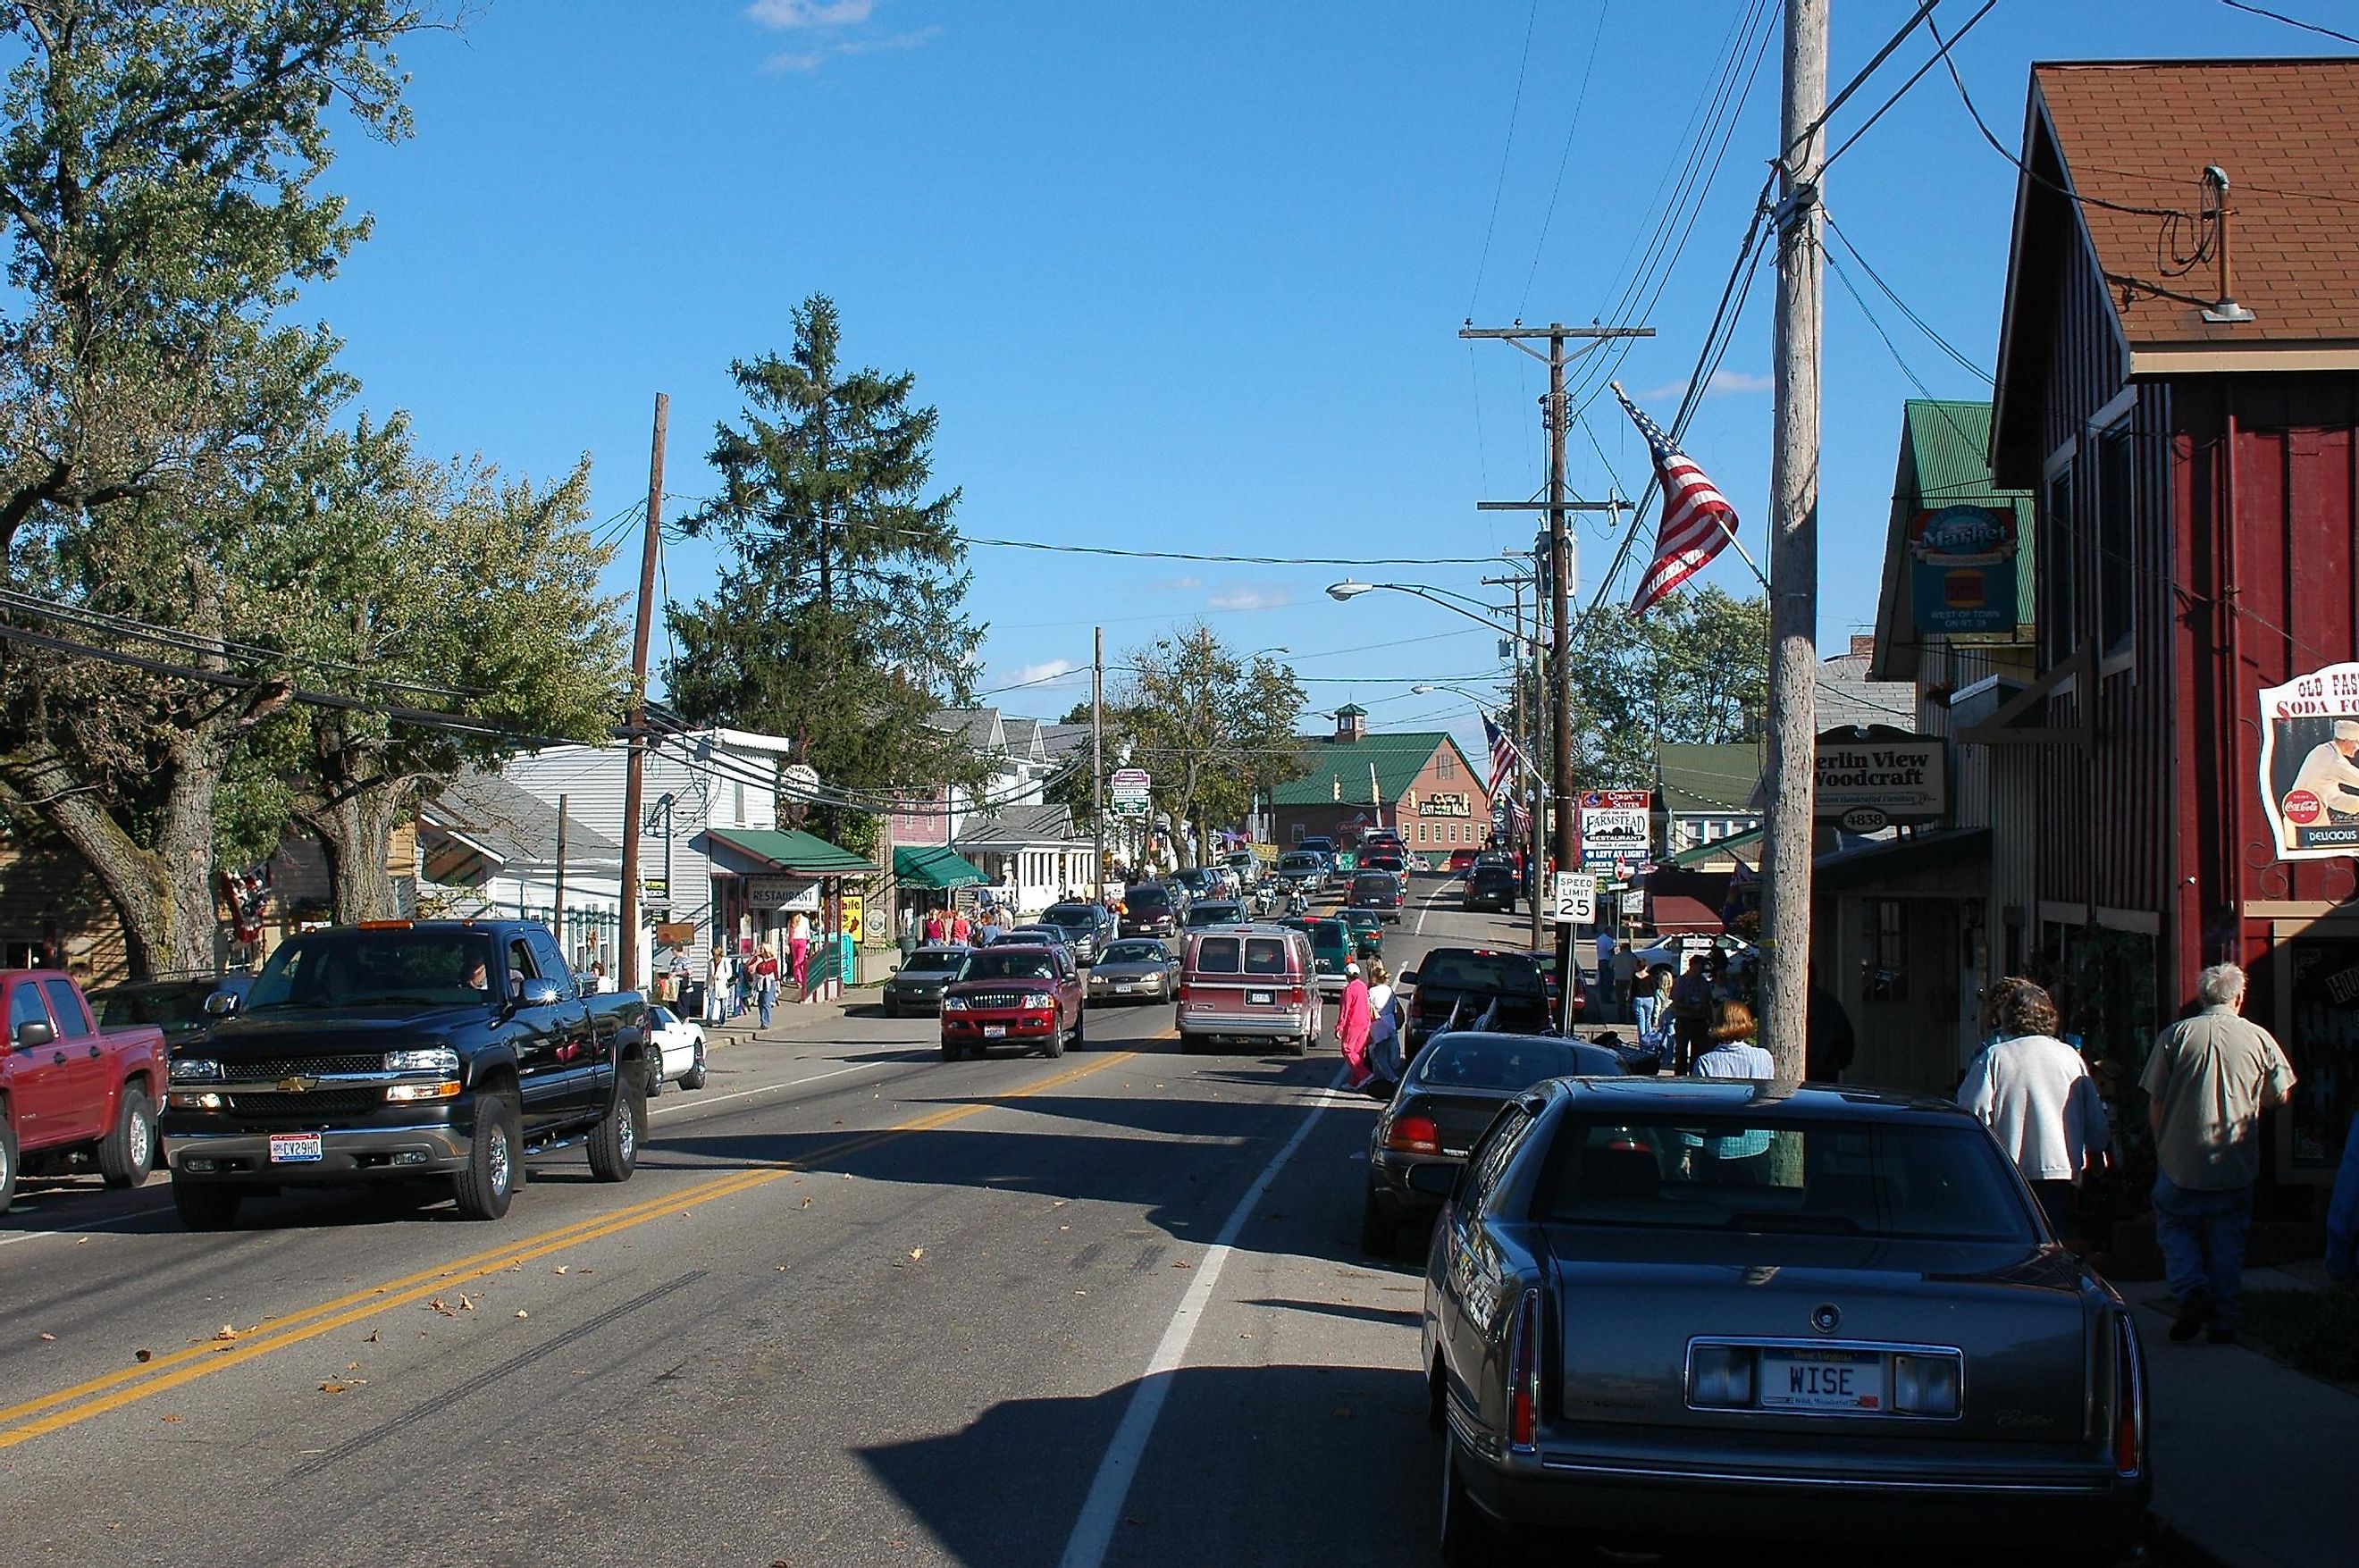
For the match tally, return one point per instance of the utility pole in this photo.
(1517, 731)
(1557, 416)
(557, 926)
(1097, 757)
(1791, 777)
(636, 748)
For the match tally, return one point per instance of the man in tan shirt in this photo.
(2208, 1080)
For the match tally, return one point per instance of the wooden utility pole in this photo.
(1791, 777)
(636, 748)
(1097, 757)
(557, 922)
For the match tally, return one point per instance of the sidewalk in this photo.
(2252, 1459)
(788, 1019)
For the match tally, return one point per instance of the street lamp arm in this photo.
(1481, 614)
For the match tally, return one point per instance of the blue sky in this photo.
(1182, 277)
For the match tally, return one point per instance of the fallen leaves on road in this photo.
(333, 1388)
(807, 1202)
(782, 1268)
(1178, 1263)
(226, 1332)
(560, 1268)
(170, 1418)
(915, 1253)
(49, 1336)
(371, 1339)
(143, 1356)
(522, 1314)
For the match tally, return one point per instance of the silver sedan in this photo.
(1133, 970)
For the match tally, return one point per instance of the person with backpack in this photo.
(1387, 1063)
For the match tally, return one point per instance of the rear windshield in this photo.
(1299, 862)
(1372, 882)
(1506, 973)
(1136, 952)
(1212, 913)
(1763, 1175)
(1265, 956)
(173, 1007)
(1505, 1061)
(1219, 955)
(1010, 964)
(1330, 934)
(1072, 915)
(934, 961)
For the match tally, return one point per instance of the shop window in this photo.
(1883, 950)
(2116, 541)
(2057, 581)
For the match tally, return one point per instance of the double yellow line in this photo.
(68, 1406)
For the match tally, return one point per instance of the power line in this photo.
(2289, 21)
(1514, 108)
(1918, 322)
(1563, 161)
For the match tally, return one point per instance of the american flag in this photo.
(1504, 756)
(1697, 520)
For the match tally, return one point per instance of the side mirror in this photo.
(33, 1036)
(221, 1004)
(1408, 977)
(1434, 1180)
(539, 992)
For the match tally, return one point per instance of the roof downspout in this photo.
(2232, 646)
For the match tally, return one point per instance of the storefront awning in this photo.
(1676, 914)
(788, 850)
(1885, 862)
(933, 866)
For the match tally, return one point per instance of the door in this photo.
(585, 1053)
(89, 1095)
(2317, 1022)
(39, 1085)
(538, 1034)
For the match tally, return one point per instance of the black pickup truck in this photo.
(446, 1049)
(1477, 987)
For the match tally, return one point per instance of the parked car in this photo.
(1671, 1307)
(1035, 934)
(1135, 969)
(1026, 994)
(1456, 1085)
(1152, 909)
(397, 1050)
(1489, 885)
(680, 1049)
(1377, 890)
(69, 1089)
(1455, 987)
(917, 985)
(1461, 862)
(1253, 982)
(1087, 927)
(175, 1006)
(1214, 912)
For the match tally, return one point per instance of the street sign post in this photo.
(1572, 899)
(1132, 792)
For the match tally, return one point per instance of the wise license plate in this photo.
(1844, 1381)
(1261, 998)
(294, 1148)
(994, 1031)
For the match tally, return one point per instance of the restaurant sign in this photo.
(1962, 569)
(782, 893)
(2310, 763)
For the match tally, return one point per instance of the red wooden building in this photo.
(2178, 380)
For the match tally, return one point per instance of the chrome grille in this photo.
(1008, 999)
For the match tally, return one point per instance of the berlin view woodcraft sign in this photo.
(1876, 768)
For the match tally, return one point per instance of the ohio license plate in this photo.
(1125, 984)
(1840, 1380)
(294, 1148)
(1261, 998)
(994, 1031)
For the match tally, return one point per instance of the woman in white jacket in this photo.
(2035, 1093)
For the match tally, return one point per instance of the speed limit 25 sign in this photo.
(1573, 898)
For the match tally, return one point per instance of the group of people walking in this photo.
(742, 983)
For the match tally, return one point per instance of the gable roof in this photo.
(978, 727)
(1710, 781)
(1338, 770)
(512, 825)
(1944, 462)
(1023, 737)
(1018, 825)
(1062, 741)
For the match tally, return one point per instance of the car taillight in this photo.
(1524, 1374)
(2129, 1400)
(1294, 994)
(1414, 1135)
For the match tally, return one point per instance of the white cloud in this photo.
(1042, 674)
(1249, 599)
(1175, 584)
(810, 13)
(827, 23)
(1723, 384)
(805, 61)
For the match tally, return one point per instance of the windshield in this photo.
(1299, 862)
(1760, 1174)
(1212, 912)
(1074, 915)
(1147, 897)
(1330, 935)
(934, 961)
(1136, 952)
(1014, 964)
(1373, 882)
(375, 969)
(171, 1007)
(1508, 974)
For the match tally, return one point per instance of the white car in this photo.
(681, 1042)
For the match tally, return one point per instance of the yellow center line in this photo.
(67, 1407)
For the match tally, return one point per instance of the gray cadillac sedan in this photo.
(917, 985)
(1135, 969)
(1711, 1308)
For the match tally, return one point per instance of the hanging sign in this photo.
(1962, 569)
(1905, 777)
(2310, 763)
(1132, 792)
(782, 893)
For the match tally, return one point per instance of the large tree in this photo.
(1210, 727)
(1694, 669)
(839, 620)
(160, 205)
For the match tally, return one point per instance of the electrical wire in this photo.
(1564, 161)
(1916, 321)
(2289, 21)
(1515, 108)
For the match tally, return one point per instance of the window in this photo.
(1218, 955)
(73, 1021)
(2057, 630)
(741, 805)
(25, 1006)
(1883, 947)
(1297, 833)
(2116, 541)
(1446, 769)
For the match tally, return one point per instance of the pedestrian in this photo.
(2342, 1213)
(716, 977)
(1629, 970)
(1650, 1001)
(907, 931)
(962, 929)
(765, 981)
(1729, 1051)
(2035, 1093)
(1692, 1001)
(1352, 1023)
(936, 928)
(1737, 1159)
(798, 940)
(1387, 1064)
(1828, 1043)
(2206, 1081)
(1605, 991)
(598, 981)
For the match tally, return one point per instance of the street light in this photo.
(1482, 612)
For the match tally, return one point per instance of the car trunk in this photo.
(1632, 1300)
(1459, 1116)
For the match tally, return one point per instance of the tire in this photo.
(206, 1205)
(1437, 1399)
(695, 1077)
(889, 1010)
(1469, 1539)
(1189, 1044)
(495, 1154)
(951, 1052)
(1379, 1231)
(1055, 1047)
(1299, 1045)
(8, 1162)
(127, 1154)
(614, 1141)
(1082, 1029)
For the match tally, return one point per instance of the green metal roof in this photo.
(932, 866)
(791, 849)
(1709, 781)
(1338, 770)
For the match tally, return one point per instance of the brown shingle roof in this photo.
(2286, 131)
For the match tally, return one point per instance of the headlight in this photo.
(954, 1004)
(196, 1069)
(441, 1058)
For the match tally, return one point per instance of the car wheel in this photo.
(1298, 1045)
(694, 1078)
(614, 1141)
(206, 1205)
(889, 1010)
(487, 1184)
(1437, 1399)
(1379, 1232)
(1469, 1539)
(126, 1154)
(1055, 1046)
(1080, 1030)
(7, 1165)
(1189, 1044)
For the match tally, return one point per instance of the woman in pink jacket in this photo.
(1352, 1020)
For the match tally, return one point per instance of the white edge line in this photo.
(1102, 1510)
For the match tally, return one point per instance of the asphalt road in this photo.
(858, 1305)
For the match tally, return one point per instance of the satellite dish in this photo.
(798, 780)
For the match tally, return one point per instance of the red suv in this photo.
(1010, 995)
(1461, 862)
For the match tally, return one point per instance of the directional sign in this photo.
(1133, 789)
(1573, 898)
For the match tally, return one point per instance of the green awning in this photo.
(920, 865)
(790, 850)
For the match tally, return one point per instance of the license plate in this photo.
(294, 1148)
(994, 1031)
(1125, 984)
(1261, 998)
(1841, 1380)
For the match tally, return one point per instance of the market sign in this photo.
(1880, 768)
(1131, 792)
(1962, 569)
(782, 893)
(1436, 804)
(2310, 763)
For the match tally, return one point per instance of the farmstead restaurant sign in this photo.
(1870, 778)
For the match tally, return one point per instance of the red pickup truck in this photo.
(67, 1088)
